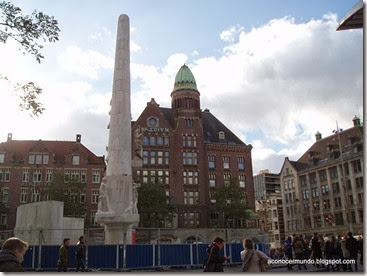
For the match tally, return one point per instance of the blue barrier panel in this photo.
(202, 252)
(236, 252)
(102, 256)
(27, 262)
(175, 254)
(139, 255)
(49, 256)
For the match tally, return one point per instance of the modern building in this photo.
(266, 183)
(269, 206)
(193, 153)
(323, 190)
(28, 167)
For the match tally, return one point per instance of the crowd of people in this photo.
(318, 248)
(329, 251)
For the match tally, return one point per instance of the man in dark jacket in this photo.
(12, 255)
(80, 254)
(352, 246)
(63, 262)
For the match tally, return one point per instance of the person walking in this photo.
(299, 251)
(288, 251)
(316, 248)
(80, 254)
(346, 253)
(12, 255)
(253, 260)
(63, 261)
(329, 252)
(352, 246)
(214, 262)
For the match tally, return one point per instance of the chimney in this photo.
(78, 138)
(318, 136)
(356, 121)
(10, 136)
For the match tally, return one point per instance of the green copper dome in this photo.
(184, 79)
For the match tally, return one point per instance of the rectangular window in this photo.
(66, 176)
(160, 157)
(92, 217)
(315, 192)
(312, 177)
(322, 175)
(338, 202)
(5, 195)
(191, 220)
(339, 219)
(24, 196)
(83, 175)
(242, 180)
(227, 178)
(45, 159)
(2, 157)
(31, 159)
(359, 182)
(166, 157)
(357, 168)
(4, 219)
(152, 157)
(212, 182)
(211, 161)
(145, 157)
(305, 194)
(191, 177)
(316, 206)
(25, 177)
(241, 163)
(82, 196)
(191, 197)
(226, 160)
(76, 160)
(336, 188)
(36, 195)
(96, 177)
(326, 204)
(39, 159)
(95, 196)
(48, 176)
(37, 177)
(333, 172)
(6, 175)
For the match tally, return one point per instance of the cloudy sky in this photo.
(274, 71)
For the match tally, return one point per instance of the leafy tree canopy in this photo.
(153, 205)
(30, 32)
(229, 202)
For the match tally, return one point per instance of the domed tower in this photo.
(185, 97)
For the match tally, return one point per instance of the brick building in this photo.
(323, 190)
(192, 152)
(27, 167)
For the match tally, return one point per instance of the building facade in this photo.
(323, 190)
(266, 183)
(192, 152)
(29, 167)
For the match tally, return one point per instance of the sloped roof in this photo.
(21, 148)
(211, 127)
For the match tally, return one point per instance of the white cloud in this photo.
(84, 63)
(230, 34)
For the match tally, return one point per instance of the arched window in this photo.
(145, 141)
(160, 141)
(152, 141)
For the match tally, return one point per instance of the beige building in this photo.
(323, 190)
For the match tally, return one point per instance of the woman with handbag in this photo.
(253, 260)
(214, 262)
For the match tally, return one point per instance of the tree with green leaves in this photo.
(30, 32)
(68, 190)
(154, 205)
(229, 204)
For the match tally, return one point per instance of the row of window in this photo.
(155, 157)
(333, 172)
(226, 162)
(37, 176)
(154, 141)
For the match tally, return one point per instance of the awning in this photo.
(353, 19)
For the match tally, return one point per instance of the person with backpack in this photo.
(214, 262)
(253, 260)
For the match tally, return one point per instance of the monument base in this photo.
(118, 229)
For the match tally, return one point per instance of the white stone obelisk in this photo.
(116, 210)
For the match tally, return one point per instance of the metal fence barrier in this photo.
(138, 256)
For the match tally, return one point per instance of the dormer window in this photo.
(76, 159)
(221, 135)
